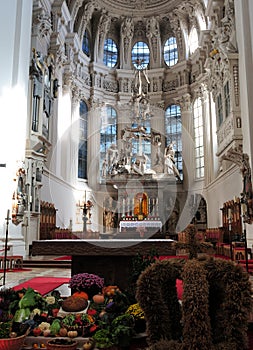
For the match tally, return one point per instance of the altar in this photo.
(142, 228)
(109, 258)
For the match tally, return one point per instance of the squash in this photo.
(80, 294)
(98, 298)
(63, 332)
(88, 345)
(72, 334)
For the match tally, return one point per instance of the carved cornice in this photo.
(234, 155)
(111, 86)
(225, 133)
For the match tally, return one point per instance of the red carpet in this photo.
(179, 285)
(66, 257)
(43, 285)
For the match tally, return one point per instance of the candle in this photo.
(229, 213)
(243, 208)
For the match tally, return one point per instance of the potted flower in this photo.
(139, 319)
(86, 282)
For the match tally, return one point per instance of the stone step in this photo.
(46, 263)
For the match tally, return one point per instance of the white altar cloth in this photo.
(140, 224)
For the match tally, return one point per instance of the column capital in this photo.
(185, 102)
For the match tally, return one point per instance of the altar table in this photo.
(156, 224)
(109, 258)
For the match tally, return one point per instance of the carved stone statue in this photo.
(169, 161)
(127, 32)
(112, 157)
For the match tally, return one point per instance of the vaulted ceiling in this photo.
(138, 8)
(171, 15)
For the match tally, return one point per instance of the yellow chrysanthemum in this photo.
(135, 310)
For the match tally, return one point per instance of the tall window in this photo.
(82, 150)
(198, 138)
(193, 40)
(173, 133)
(170, 52)
(86, 44)
(140, 53)
(219, 109)
(108, 133)
(110, 53)
(227, 99)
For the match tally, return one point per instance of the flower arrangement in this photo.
(89, 283)
(136, 311)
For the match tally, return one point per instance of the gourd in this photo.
(81, 294)
(72, 334)
(88, 345)
(63, 332)
(98, 298)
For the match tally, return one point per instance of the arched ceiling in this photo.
(138, 8)
(168, 13)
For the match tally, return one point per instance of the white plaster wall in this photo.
(244, 29)
(225, 188)
(62, 195)
(15, 36)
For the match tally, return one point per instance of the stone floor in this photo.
(14, 278)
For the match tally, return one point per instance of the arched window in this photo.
(198, 127)
(140, 55)
(82, 149)
(193, 40)
(173, 133)
(110, 53)
(219, 110)
(227, 99)
(170, 51)
(86, 44)
(108, 133)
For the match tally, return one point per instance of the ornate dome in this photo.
(138, 8)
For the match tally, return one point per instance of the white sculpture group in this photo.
(128, 157)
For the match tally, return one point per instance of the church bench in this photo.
(250, 265)
(12, 262)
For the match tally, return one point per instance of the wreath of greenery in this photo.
(215, 309)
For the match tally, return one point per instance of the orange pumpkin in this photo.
(98, 298)
(80, 295)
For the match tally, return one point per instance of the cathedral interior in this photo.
(126, 119)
